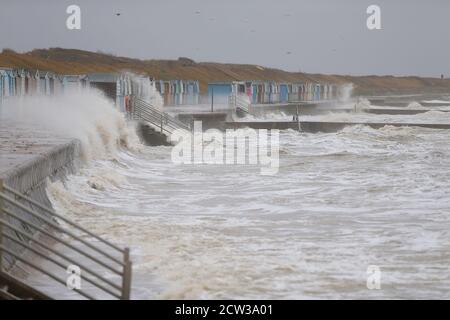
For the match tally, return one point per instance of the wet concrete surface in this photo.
(22, 142)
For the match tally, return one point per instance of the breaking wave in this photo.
(87, 116)
(226, 232)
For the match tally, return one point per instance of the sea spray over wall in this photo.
(148, 91)
(361, 104)
(85, 115)
(345, 92)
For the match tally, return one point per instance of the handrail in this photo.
(143, 107)
(65, 243)
(237, 102)
(158, 121)
(58, 228)
(45, 226)
(171, 120)
(65, 257)
(142, 110)
(53, 213)
(42, 270)
(54, 261)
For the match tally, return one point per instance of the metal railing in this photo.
(166, 124)
(238, 102)
(39, 232)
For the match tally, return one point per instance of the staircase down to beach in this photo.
(155, 126)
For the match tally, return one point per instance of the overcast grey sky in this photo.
(323, 36)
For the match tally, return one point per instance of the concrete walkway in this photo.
(21, 143)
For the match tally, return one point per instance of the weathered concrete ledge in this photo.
(325, 126)
(212, 120)
(55, 163)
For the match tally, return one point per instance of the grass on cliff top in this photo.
(73, 61)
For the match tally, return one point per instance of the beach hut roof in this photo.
(226, 82)
(103, 77)
(74, 77)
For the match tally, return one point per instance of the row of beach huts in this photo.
(264, 92)
(119, 86)
(116, 86)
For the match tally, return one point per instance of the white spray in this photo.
(84, 115)
(345, 92)
(148, 92)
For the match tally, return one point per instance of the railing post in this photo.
(126, 279)
(162, 115)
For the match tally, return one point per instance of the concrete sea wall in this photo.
(30, 177)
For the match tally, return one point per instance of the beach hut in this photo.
(301, 92)
(222, 90)
(295, 92)
(255, 91)
(4, 83)
(33, 83)
(284, 92)
(333, 91)
(165, 90)
(119, 87)
(266, 92)
(192, 92)
(249, 90)
(41, 85)
(179, 92)
(71, 83)
(12, 82)
(18, 82)
(48, 84)
(3, 80)
(23, 82)
(104, 82)
(328, 91)
(271, 92)
(308, 91)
